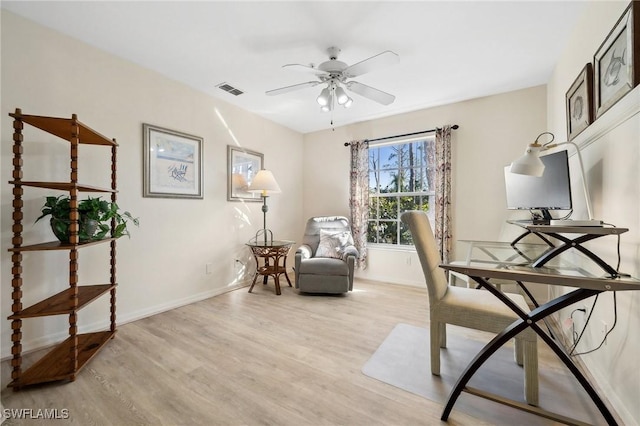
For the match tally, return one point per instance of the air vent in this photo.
(229, 88)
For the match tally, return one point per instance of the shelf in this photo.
(66, 359)
(271, 270)
(590, 230)
(620, 112)
(62, 186)
(61, 127)
(61, 303)
(56, 365)
(57, 245)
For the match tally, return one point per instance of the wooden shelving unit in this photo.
(67, 358)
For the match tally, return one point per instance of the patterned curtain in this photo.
(442, 229)
(359, 198)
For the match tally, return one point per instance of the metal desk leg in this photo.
(527, 232)
(529, 320)
(577, 244)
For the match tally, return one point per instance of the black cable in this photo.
(604, 339)
(618, 247)
(619, 257)
(573, 326)
(573, 347)
(618, 273)
(536, 216)
(568, 215)
(615, 308)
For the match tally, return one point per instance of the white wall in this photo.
(611, 151)
(163, 264)
(493, 130)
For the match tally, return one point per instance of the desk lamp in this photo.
(531, 165)
(264, 183)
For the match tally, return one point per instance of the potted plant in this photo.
(94, 221)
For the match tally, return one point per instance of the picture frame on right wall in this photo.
(617, 62)
(580, 103)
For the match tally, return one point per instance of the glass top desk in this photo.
(500, 260)
(569, 237)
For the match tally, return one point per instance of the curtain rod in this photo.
(454, 127)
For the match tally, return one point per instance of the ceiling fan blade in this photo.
(305, 68)
(371, 93)
(287, 89)
(380, 60)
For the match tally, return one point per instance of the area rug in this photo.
(402, 360)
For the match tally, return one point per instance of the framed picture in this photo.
(242, 166)
(579, 103)
(617, 62)
(172, 163)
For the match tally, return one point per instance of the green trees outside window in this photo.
(401, 178)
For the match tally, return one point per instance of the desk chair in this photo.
(467, 307)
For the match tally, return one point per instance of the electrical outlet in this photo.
(237, 264)
(209, 268)
(408, 260)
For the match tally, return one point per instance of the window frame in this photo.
(429, 172)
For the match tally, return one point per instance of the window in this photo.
(401, 177)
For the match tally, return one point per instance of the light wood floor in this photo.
(248, 359)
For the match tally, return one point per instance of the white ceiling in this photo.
(449, 51)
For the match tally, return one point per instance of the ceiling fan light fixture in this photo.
(341, 96)
(329, 106)
(333, 75)
(324, 97)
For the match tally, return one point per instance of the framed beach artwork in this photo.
(172, 163)
(579, 103)
(242, 166)
(617, 62)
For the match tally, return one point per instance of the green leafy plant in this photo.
(94, 221)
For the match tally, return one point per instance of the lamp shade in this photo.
(329, 106)
(323, 98)
(264, 182)
(341, 96)
(530, 163)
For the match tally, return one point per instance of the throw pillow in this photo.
(333, 243)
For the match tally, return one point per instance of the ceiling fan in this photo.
(334, 74)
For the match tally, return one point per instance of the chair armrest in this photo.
(305, 251)
(350, 251)
(350, 255)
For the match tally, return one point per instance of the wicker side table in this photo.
(271, 252)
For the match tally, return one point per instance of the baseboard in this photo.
(396, 282)
(49, 340)
(134, 316)
(607, 394)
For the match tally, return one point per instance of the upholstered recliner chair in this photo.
(326, 259)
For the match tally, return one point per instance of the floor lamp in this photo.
(264, 183)
(531, 165)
